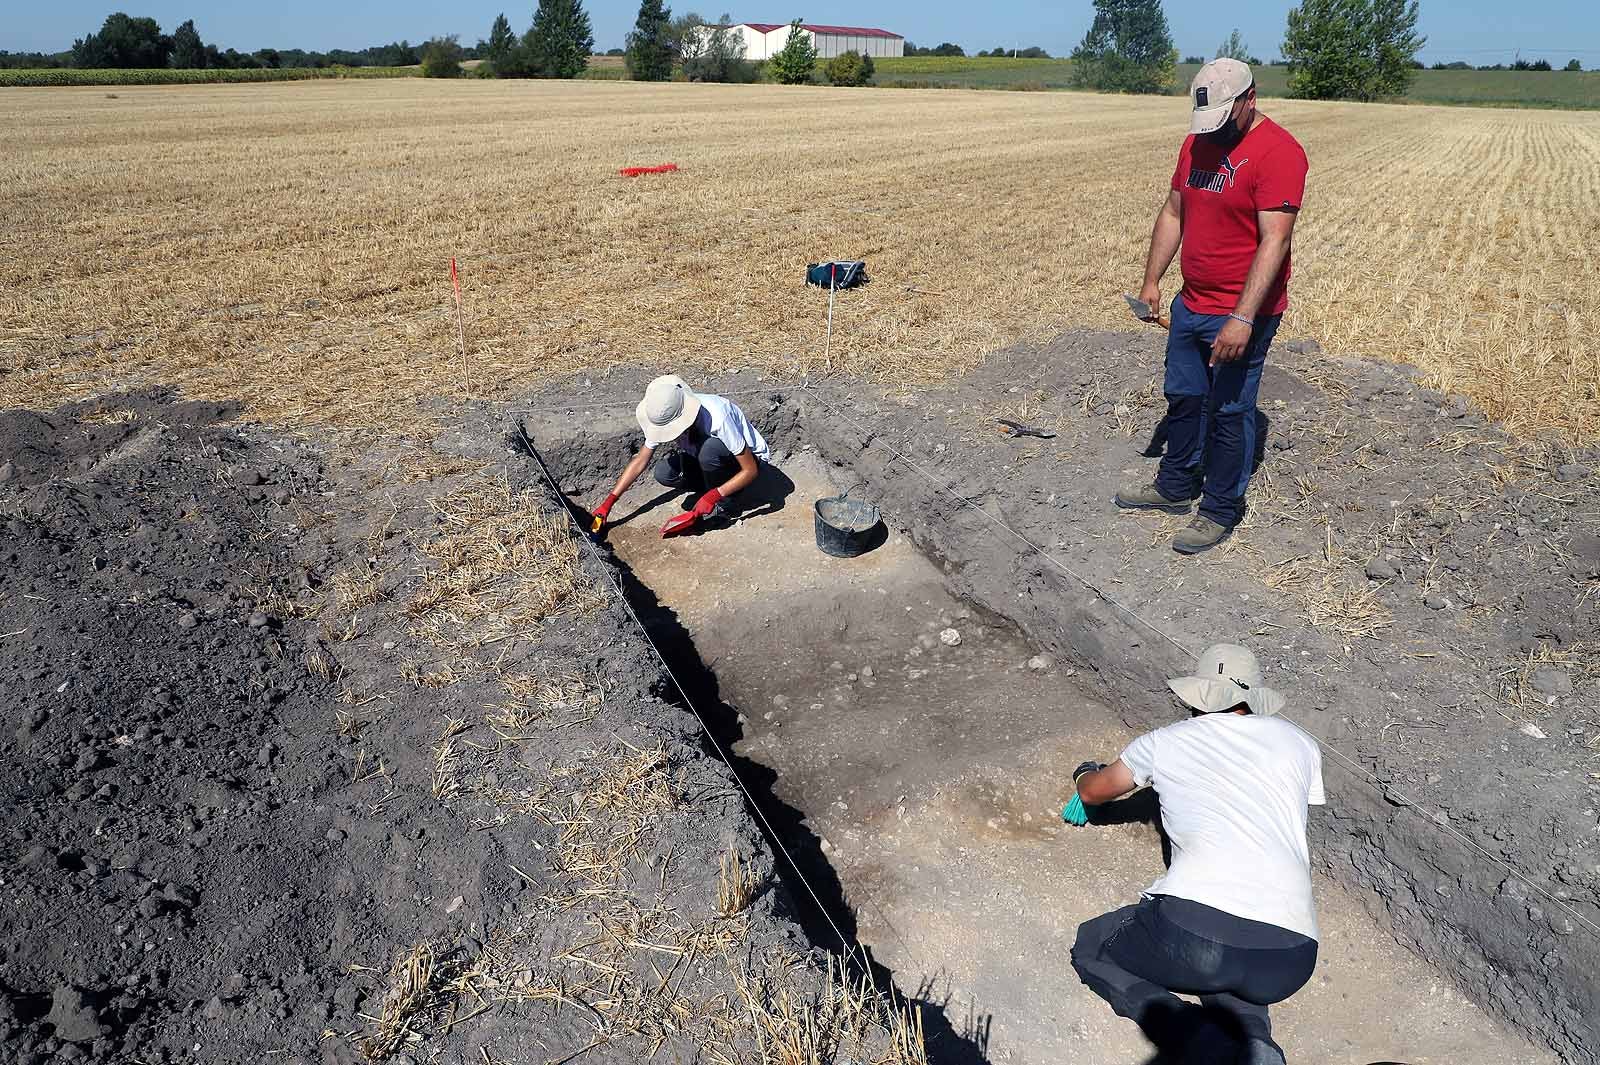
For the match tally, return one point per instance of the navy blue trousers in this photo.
(1211, 414)
(1137, 957)
(697, 465)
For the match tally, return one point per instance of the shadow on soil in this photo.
(825, 915)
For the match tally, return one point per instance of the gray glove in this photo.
(1086, 767)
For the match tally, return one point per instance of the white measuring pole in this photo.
(827, 345)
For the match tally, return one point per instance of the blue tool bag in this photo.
(837, 274)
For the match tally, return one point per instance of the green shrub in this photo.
(795, 61)
(849, 68)
(441, 58)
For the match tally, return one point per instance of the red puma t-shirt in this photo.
(1222, 191)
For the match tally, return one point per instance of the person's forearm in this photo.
(1264, 268)
(1165, 237)
(738, 481)
(1096, 790)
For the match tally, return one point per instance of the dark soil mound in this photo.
(174, 795)
(264, 804)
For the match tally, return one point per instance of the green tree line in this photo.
(1334, 49)
(124, 42)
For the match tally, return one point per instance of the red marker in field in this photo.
(635, 171)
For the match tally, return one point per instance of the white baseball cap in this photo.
(1213, 91)
(1225, 676)
(668, 408)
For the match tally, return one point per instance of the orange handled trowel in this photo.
(1144, 312)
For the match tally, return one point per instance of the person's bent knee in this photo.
(669, 470)
(1091, 940)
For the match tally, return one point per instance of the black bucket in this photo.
(846, 527)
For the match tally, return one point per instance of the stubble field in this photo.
(289, 244)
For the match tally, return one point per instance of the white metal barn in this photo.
(763, 40)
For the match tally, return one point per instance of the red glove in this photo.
(602, 512)
(686, 521)
(707, 503)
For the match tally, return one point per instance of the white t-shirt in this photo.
(724, 420)
(1234, 791)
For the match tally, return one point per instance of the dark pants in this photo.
(1137, 957)
(1211, 414)
(697, 465)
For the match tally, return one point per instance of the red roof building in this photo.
(762, 40)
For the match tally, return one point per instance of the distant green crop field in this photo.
(1508, 88)
(73, 76)
(1487, 88)
(974, 73)
(1270, 81)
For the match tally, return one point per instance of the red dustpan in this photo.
(681, 524)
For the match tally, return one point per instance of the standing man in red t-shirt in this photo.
(1235, 196)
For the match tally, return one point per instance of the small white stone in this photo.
(1038, 663)
(1530, 729)
(950, 638)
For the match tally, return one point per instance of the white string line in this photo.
(1361, 772)
(845, 941)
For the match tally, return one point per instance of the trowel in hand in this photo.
(1143, 312)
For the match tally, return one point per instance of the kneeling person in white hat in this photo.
(1232, 921)
(718, 454)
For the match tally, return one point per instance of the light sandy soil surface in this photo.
(935, 775)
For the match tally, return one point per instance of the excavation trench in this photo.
(917, 780)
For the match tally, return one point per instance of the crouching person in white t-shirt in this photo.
(718, 454)
(1232, 920)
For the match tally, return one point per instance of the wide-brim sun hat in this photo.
(1225, 676)
(668, 408)
(1213, 91)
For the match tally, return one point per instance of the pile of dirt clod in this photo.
(254, 815)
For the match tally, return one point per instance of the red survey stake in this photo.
(635, 171)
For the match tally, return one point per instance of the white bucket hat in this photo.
(668, 408)
(1225, 676)
(1213, 91)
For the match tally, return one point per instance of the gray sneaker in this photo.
(1148, 497)
(1198, 535)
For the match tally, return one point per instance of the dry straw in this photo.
(736, 886)
(311, 280)
(501, 566)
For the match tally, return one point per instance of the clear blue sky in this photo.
(1484, 31)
